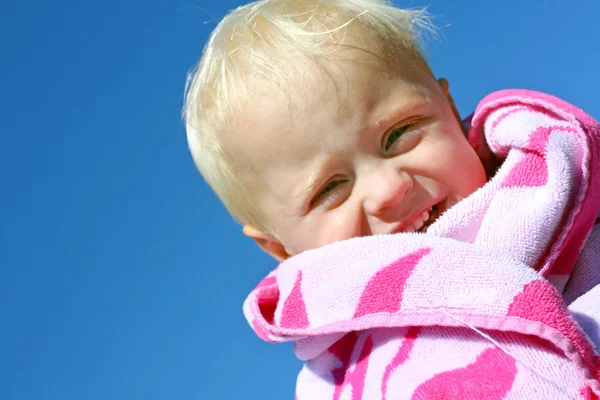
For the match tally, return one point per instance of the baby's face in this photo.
(356, 153)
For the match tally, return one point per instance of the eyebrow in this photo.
(310, 187)
(401, 111)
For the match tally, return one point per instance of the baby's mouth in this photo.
(433, 215)
(424, 220)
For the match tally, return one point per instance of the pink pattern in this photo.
(342, 349)
(260, 332)
(403, 354)
(538, 302)
(294, 309)
(268, 281)
(539, 138)
(529, 172)
(490, 377)
(355, 379)
(541, 302)
(508, 114)
(384, 291)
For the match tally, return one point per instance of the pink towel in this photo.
(475, 308)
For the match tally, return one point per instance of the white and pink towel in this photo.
(500, 299)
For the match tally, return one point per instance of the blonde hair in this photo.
(256, 40)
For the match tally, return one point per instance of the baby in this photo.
(317, 121)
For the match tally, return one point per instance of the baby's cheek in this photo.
(333, 227)
(471, 175)
(335, 234)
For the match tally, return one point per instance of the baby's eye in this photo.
(394, 135)
(329, 187)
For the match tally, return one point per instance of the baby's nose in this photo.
(386, 190)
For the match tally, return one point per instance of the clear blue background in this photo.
(121, 275)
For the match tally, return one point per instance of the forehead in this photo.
(278, 116)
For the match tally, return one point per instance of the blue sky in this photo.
(121, 275)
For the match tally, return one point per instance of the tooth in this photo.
(409, 229)
(425, 215)
(417, 224)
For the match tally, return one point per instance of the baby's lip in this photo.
(409, 221)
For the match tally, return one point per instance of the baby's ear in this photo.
(445, 86)
(267, 243)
